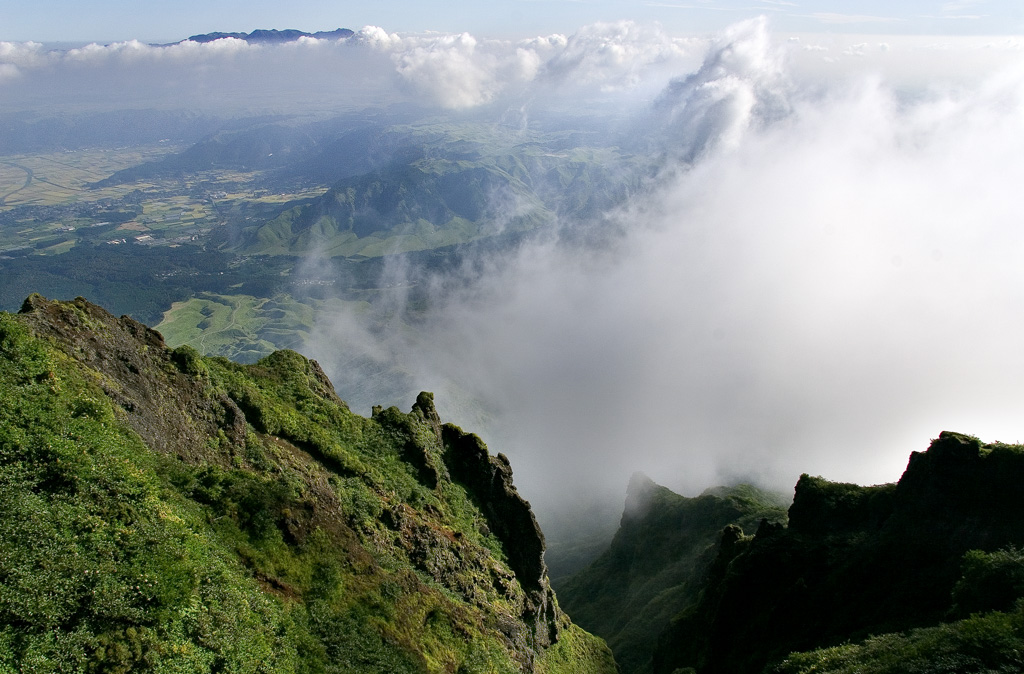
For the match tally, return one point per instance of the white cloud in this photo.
(740, 81)
(615, 55)
(453, 71)
(832, 280)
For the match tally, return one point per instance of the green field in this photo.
(244, 328)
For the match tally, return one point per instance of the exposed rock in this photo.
(488, 479)
(639, 494)
(165, 405)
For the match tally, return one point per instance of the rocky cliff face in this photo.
(853, 561)
(205, 515)
(651, 570)
(488, 480)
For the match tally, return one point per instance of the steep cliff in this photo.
(653, 567)
(858, 561)
(163, 511)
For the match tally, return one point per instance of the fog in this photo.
(824, 275)
(825, 272)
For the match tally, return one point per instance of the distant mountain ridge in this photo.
(273, 36)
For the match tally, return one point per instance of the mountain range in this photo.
(274, 36)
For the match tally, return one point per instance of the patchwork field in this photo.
(49, 202)
(62, 177)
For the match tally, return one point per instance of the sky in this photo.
(825, 275)
(119, 20)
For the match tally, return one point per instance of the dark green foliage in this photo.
(831, 507)
(856, 561)
(137, 280)
(991, 581)
(652, 569)
(989, 643)
(188, 360)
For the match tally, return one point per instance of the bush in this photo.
(991, 581)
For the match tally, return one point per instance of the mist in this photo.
(822, 274)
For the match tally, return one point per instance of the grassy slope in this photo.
(469, 181)
(239, 327)
(652, 568)
(311, 546)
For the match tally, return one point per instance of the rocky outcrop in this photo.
(155, 388)
(650, 572)
(853, 560)
(488, 480)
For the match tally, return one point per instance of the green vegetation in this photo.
(932, 564)
(992, 642)
(461, 183)
(239, 327)
(104, 567)
(140, 281)
(991, 581)
(990, 638)
(161, 511)
(285, 212)
(652, 569)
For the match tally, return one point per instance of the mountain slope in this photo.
(431, 194)
(859, 561)
(651, 570)
(160, 511)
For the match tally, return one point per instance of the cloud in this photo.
(615, 55)
(373, 67)
(739, 82)
(830, 278)
(824, 274)
(456, 71)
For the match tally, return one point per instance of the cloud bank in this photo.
(826, 275)
(373, 67)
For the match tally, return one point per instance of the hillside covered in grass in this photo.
(166, 512)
